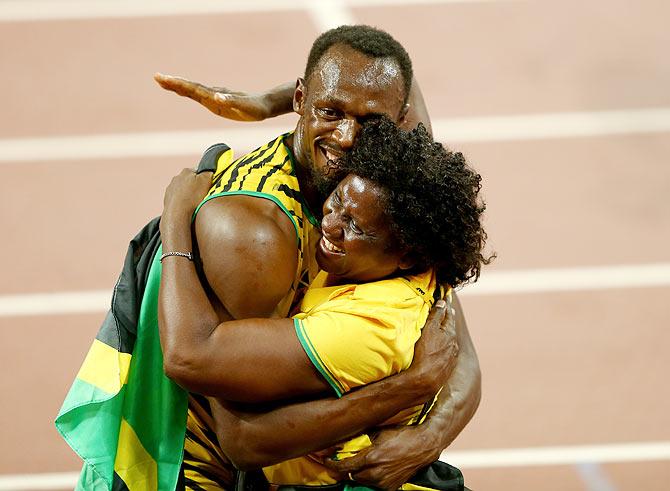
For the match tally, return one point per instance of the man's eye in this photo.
(354, 228)
(329, 113)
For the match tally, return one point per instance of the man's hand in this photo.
(387, 464)
(238, 106)
(436, 351)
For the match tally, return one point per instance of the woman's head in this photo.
(406, 204)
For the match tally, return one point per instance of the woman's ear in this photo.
(408, 261)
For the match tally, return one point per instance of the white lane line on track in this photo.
(570, 279)
(52, 480)
(327, 14)
(566, 455)
(464, 459)
(449, 130)
(34, 10)
(493, 283)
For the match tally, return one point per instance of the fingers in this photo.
(183, 87)
(351, 464)
(448, 324)
(437, 313)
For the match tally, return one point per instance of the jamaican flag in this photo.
(122, 415)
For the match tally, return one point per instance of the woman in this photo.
(405, 219)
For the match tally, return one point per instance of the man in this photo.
(348, 77)
(255, 251)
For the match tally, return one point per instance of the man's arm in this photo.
(387, 463)
(245, 106)
(257, 439)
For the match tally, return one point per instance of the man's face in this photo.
(344, 88)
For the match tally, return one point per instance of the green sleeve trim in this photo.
(255, 194)
(315, 358)
(305, 208)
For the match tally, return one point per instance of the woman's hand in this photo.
(235, 105)
(184, 194)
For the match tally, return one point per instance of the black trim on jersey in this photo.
(274, 170)
(290, 193)
(195, 439)
(206, 473)
(191, 484)
(242, 163)
(424, 410)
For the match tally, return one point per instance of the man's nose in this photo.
(345, 133)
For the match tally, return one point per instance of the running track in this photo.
(563, 107)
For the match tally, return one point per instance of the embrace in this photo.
(290, 322)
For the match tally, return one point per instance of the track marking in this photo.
(327, 14)
(464, 459)
(472, 129)
(491, 283)
(52, 480)
(567, 455)
(594, 477)
(570, 279)
(41, 10)
(81, 302)
(553, 125)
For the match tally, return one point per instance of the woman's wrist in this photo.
(176, 229)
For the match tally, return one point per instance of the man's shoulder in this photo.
(262, 170)
(242, 218)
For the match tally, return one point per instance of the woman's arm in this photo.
(252, 439)
(246, 360)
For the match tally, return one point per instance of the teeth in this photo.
(330, 246)
(330, 155)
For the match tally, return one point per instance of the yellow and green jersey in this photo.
(266, 173)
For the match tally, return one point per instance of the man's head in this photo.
(352, 72)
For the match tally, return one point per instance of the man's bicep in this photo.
(249, 253)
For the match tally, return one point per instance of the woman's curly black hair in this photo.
(431, 197)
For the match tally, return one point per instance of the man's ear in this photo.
(403, 112)
(299, 96)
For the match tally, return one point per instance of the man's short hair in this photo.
(370, 41)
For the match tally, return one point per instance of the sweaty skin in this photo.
(230, 351)
(259, 239)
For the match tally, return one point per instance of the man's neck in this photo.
(308, 189)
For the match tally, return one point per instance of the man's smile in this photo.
(330, 152)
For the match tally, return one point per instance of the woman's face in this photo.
(357, 242)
